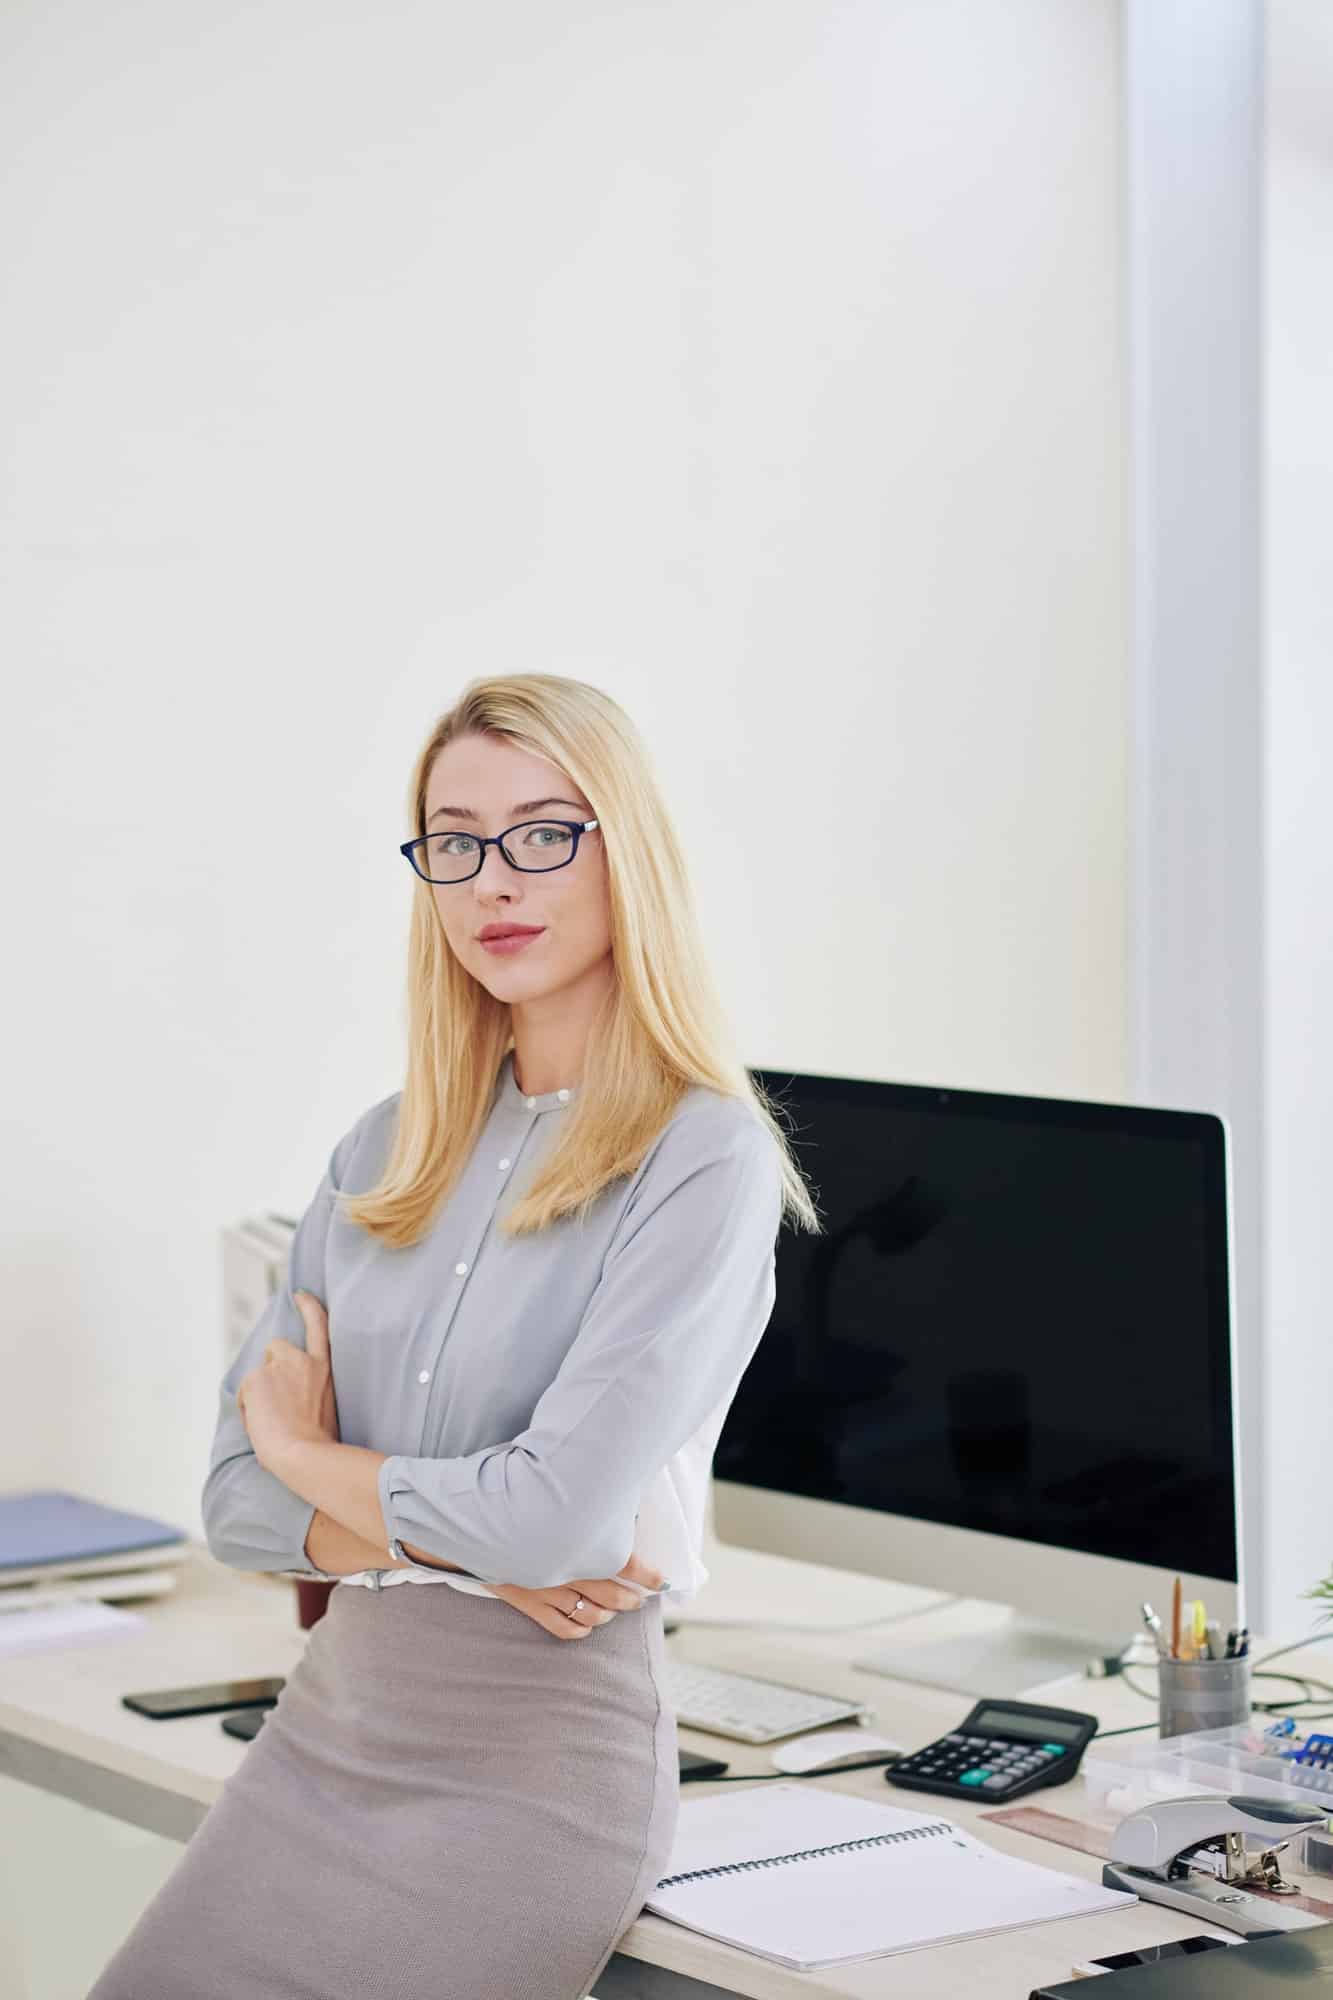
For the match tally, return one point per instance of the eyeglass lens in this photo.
(451, 856)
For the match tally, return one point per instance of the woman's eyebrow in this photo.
(524, 806)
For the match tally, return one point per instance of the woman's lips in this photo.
(503, 946)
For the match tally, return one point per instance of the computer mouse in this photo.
(830, 1749)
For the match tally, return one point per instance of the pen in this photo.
(1154, 1625)
(1200, 1627)
(1212, 1639)
(1175, 1618)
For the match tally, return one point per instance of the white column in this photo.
(1193, 85)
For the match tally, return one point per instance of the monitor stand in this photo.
(1017, 1654)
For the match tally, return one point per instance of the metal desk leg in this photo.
(111, 1792)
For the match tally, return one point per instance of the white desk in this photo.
(62, 1727)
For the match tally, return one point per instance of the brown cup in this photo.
(312, 1600)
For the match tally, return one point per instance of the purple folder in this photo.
(53, 1527)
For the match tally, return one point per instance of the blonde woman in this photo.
(518, 1309)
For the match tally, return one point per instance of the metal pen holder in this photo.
(1202, 1694)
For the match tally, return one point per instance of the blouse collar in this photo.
(516, 1100)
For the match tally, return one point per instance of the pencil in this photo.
(1176, 1607)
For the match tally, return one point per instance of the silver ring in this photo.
(578, 1605)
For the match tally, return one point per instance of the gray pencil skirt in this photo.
(446, 1803)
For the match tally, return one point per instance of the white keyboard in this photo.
(747, 1708)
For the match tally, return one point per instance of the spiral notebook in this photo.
(810, 1877)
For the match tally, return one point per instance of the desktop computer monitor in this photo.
(1004, 1370)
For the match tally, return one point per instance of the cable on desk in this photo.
(1148, 1694)
(1296, 1646)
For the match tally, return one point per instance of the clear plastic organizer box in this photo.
(1238, 1759)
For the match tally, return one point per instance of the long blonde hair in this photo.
(660, 1028)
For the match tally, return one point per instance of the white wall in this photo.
(760, 362)
(1298, 737)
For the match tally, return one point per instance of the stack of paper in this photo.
(255, 1256)
(36, 1628)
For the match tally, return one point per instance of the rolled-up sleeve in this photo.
(251, 1520)
(683, 1299)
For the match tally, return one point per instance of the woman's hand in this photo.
(290, 1396)
(552, 1606)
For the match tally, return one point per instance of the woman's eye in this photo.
(445, 844)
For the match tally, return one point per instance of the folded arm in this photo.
(684, 1297)
(338, 1551)
(339, 1482)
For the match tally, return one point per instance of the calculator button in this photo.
(977, 1777)
(1054, 1749)
(953, 1739)
(997, 1784)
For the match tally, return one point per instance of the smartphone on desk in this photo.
(245, 1723)
(164, 1704)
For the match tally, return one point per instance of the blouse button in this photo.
(424, 1376)
(531, 1103)
(503, 1165)
(461, 1269)
(563, 1095)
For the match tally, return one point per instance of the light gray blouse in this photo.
(535, 1395)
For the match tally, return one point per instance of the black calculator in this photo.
(999, 1751)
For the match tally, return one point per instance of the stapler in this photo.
(1190, 1854)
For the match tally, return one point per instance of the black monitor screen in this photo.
(1016, 1320)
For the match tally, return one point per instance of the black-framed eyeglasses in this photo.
(454, 856)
